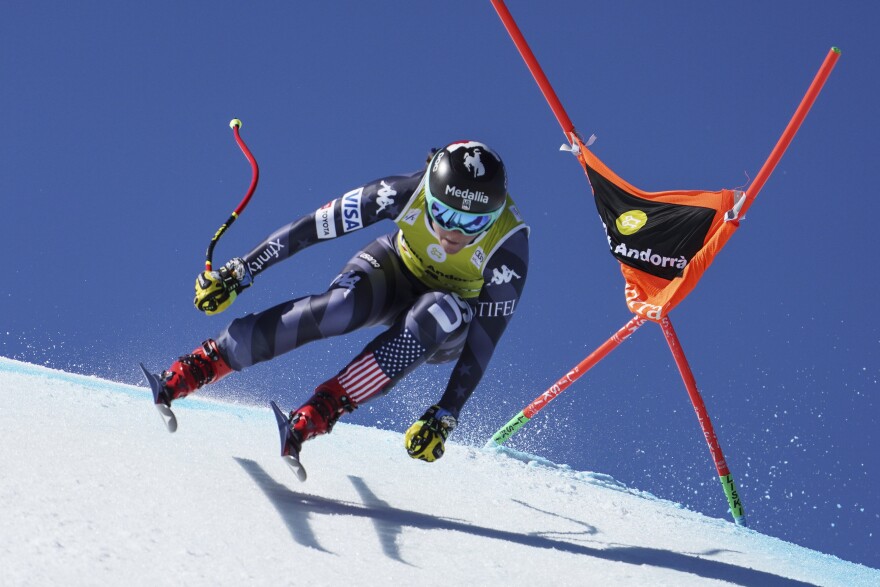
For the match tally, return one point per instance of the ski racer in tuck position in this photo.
(446, 284)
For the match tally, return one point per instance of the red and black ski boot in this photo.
(315, 417)
(188, 373)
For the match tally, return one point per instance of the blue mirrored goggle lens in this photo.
(451, 219)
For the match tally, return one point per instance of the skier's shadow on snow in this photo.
(297, 509)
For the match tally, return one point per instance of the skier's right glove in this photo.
(425, 439)
(216, 290)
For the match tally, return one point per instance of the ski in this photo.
(288, 452)
(168, 417)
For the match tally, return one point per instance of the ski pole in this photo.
(588, 363)
(736, 508)
(235, 124)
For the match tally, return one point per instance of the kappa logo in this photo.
(504, 275)
(347, 281)
(385, 196)
(631, 222)
(474, 164)
(351, 210)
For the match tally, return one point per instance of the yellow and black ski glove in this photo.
(425, 439)
(216, 290)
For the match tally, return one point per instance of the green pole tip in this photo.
(836, 50)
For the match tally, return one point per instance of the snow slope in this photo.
(94, 491)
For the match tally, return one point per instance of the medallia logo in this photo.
(631, 222)
(467, 196)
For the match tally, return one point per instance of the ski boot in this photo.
(315, 417)
(187, 374)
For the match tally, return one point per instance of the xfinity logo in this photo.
(272, 251)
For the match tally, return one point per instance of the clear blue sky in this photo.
(118, 165)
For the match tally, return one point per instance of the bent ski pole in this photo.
(736, 508)
(235, 124)
(588, 363)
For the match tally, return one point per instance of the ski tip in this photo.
(168, 417)
(155, 385)
(288, 452)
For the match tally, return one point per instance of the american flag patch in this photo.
(369, 374)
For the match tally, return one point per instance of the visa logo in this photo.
(351, 210)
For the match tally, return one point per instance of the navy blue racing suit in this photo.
(376, 287)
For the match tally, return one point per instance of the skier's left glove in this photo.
(216, 290)
(425, 439)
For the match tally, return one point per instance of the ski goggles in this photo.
(451, 219)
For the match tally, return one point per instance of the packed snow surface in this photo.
(95, 491)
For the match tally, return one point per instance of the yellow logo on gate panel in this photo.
(631, 222)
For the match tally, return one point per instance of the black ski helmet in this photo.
(468, 176)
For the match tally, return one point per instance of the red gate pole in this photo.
(793, 125)
(736, 508)
(534, 67)
(579, 370)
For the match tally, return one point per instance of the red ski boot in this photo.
(318, 415)
(187, 374)
(190, 372)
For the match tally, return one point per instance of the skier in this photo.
(446, 284)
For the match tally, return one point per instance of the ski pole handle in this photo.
(235, 124)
